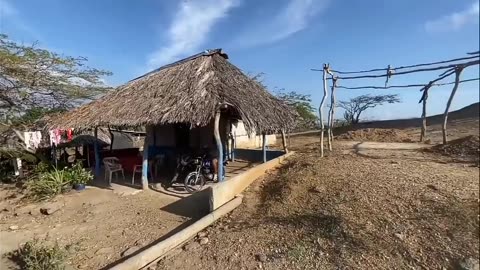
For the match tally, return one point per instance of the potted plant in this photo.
(78, 176)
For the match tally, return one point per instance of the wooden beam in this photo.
(218, 140)
(458, 72)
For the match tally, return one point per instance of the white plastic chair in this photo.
(112, 165)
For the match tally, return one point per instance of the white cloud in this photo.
(190, 28)
(454, 21)
(292, 18)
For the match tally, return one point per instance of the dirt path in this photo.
(364, 206)
(97, 225)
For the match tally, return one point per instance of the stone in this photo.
(13, 228)
(203, 241)
(129, 251)
(191, 246)
(261, 257)
(50, 209)
(468, 264)
(105, 250)
(202, 234)
(400, 236)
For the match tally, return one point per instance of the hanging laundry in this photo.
(55, 136)
(70, 134)
(32, 139)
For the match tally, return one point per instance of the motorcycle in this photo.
(202, 172)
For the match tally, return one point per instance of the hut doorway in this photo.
(182, 136)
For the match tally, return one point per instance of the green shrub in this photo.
(35, 255)
(48, 184)
(77, 174)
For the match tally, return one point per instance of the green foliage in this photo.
(33, 114)
(48, 184)
(34, 77)
(303, 106)
(357, 105)
(77, 174)
(35, 255)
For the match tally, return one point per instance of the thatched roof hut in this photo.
(188, 91)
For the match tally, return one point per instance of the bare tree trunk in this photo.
(423, 133)
(320, 109)
(458, 71)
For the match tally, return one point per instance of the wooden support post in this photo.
(88, 155)
(218, 140)
(234, 145)
(112, 138)
(284, 142)
(320, 109)
(264, 148)
(423, 132)
(97, 153)
(145, 160)
(458, 71)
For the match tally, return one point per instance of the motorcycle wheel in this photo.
(194, 182)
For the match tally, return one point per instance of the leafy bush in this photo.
(48, 184)
(35, 255)
(77, 174)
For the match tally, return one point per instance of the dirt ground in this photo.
(364, 206)
(96, 225)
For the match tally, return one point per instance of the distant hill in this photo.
(469, 112)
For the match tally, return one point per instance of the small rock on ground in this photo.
(468, 264)
(13, 227)
(261, 257)
(202, 234)
(203, 241)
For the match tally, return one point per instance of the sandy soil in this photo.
(364, 206)
(97, 225)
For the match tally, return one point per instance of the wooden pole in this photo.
(218, 140)
(423, 133)
(145, 160)
(284, 141)
(264, 148)
(458, 71)
(234, 145)
(331, 114)
(97, 153)
(112, 138)
(320, 109)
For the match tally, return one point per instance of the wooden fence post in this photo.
(458, 71)
(331, 113)
(423, 133)
(320, 109)
(284, 141)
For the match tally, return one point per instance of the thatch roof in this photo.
(187, 91)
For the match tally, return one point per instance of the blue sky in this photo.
(282, 38)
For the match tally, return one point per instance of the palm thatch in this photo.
(187, 91)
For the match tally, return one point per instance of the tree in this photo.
(357, 105)
(33, 77)
(303, 106)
